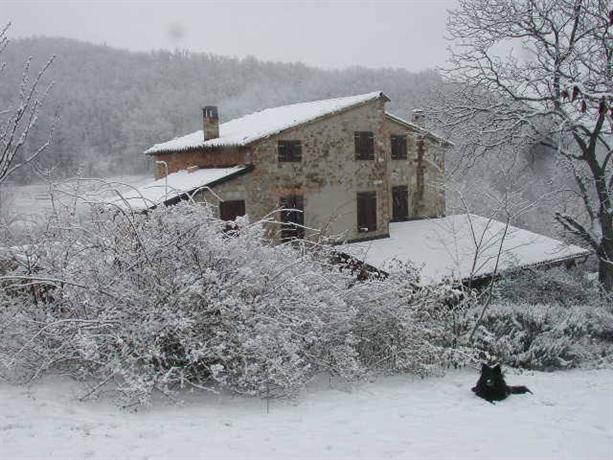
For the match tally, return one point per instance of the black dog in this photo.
(492, 387)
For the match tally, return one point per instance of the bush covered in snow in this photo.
(145, 303)
(546, 319)
(546, 337)
(168, 299)
(557, 285)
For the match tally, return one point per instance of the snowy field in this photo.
(569, 416)
(32, 202)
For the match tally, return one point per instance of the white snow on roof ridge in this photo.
(444, 248)
(419, 128)
(173, 186)
(258, 125)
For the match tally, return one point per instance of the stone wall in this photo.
(329, 177)
(203, 158)
(431, 202)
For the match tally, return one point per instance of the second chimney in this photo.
(418, 117)
(210, 122)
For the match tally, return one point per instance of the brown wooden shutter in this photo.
(289, 151)
(297, 150)
(400, 203)
(399, 147)
(367, 211)
(282, 149)
(369, 140)
(364, 145)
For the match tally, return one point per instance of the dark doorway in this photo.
(292, 217)
(400, 203)
(367, 211)
(230, 210)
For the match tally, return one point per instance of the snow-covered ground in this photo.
(32, 202)
(569, 416)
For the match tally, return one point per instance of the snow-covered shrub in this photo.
(157, 301)
(541, 319)
(557, 285)
(401, 328)
(546, 337)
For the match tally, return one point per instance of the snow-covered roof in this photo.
(445, 248)
(258, 125)
(176, 184)
(419, 129)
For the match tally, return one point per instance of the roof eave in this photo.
(195, 149)
(542, 264)
(418, 128)
(175, 199)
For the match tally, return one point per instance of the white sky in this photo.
(335, 34)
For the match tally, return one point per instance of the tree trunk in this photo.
(605, 265)
(605, 219)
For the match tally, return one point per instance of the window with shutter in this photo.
(400, 203)
(367, 211)
(292, 217)
(399, 147)
(364, 145)
(230, 210)
(289, 151)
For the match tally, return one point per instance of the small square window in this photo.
(364, 145)
(290, 151)
(399, 147)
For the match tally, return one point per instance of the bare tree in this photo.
(539, 71)
(18, 121)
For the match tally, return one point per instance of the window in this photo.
(399, 147)
(367, 211)
(230, 210)
(364, 145)
(290, 151)
(292, 217)
(400, 203)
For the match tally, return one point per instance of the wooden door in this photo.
(400, 203)
(367, 211)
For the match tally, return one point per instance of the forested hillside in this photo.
(109, 105)
(113, 104)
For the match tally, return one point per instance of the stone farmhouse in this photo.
(350, 171)
(343, 168)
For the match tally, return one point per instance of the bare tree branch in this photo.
(16, 123)
(527, 72)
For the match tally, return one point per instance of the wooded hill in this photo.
(113, 104)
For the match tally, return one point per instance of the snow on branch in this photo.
(17, 122)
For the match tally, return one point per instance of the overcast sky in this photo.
(335, 34)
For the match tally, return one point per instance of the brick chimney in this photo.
(210, 122)
(418, 117)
